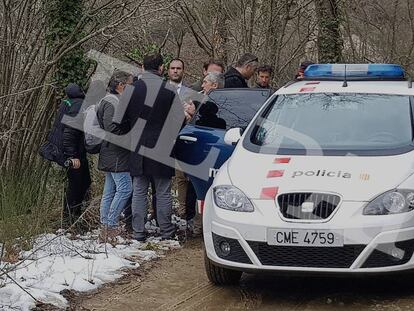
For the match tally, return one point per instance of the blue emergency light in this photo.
(354, 71)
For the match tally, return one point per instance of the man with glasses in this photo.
(243, 70)
(113, 159)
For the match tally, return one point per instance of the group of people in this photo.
(130, 174)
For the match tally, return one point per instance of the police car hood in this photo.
(261, 176)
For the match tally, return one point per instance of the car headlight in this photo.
(232, 198)
(391, 202)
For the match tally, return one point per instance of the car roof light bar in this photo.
(354, 72)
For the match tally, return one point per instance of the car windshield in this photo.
(329, 121)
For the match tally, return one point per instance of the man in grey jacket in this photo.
(113, 159)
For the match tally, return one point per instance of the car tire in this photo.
(219, 275)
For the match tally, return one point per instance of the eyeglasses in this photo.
(256, 60)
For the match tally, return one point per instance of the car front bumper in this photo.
(372, 244)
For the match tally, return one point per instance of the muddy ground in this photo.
(178, 282)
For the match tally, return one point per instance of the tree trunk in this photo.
(66, 23)
(220, 34)
(329, 36)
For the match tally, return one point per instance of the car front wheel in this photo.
(220, 276)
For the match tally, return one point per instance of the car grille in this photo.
(237, 252)
(304, 256)
(382, 256)
(323, 205)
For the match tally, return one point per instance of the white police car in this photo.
(320, 181)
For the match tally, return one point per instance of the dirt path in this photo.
(178, 282)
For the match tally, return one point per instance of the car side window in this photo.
(207, 115)
(225, 108)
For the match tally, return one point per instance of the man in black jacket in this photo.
(244, 69)
(78, 174)
(142, 168)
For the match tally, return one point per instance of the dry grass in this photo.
(31, 204)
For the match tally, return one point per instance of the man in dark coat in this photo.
(142, 168)
(244, 69)
(78, 174)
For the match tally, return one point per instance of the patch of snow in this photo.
(61, 261)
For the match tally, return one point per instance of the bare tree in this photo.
(27, 66)
(280, 33)
(379, 31)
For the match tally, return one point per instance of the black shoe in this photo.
(142, 240)
(177, 236)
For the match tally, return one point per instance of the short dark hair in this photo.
(265, 68)
(118, 77)
(178, 60)
(153, 61)
(305, 64)
(213, 61)
(246, 59)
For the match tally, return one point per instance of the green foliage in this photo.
(62, 17)
(151, 247)
(73, 67)
(21, 192)
(66, 23)
(330, 42)
(137, 54)
(28, 200)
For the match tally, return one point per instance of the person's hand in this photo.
(187, 116)
(76, 163)
(189, 108)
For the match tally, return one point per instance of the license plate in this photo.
(303, 237)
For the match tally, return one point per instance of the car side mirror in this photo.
(232, 136)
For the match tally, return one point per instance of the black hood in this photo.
(74, 91)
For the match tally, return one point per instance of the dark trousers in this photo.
(79, 181)
(128, 208)
(164, 205)
(190, 202)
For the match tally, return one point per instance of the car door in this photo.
(236, 107)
